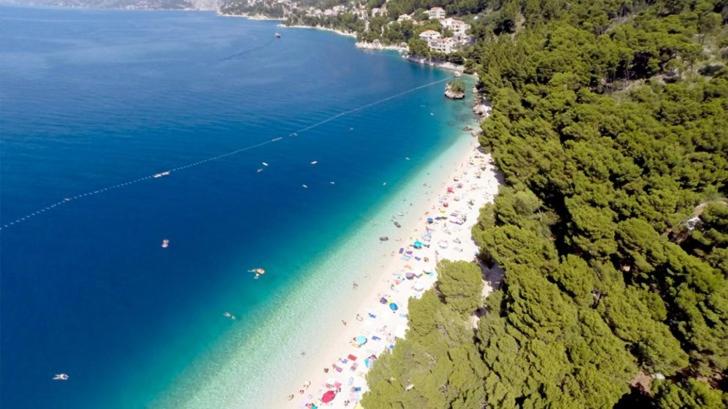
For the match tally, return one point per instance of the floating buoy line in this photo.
(169, 172)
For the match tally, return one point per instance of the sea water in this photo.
(93, 103)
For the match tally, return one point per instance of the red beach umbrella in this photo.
(328, 396)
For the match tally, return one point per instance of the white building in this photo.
(379, 11)
(443, 45)
(436, 13)
(430, 35)
(404, 17)
(361, 12)
(459, 28)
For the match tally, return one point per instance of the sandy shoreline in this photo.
(466, 189)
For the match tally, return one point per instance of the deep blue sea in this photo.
(91, 100)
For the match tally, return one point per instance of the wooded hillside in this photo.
(610, 126)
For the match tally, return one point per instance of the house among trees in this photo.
(459, 28)
(379, 11)
(429, 35)
(436, 13)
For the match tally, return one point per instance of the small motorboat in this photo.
(257, 271)
(259, 170)
(305, 186)
(264, 164)
(229, 315)
(313, 162)
(60, 377)
(161, 174)
(278, 35)
(165, 243)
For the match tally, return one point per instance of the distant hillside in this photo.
(122, 4)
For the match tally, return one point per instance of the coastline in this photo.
(309, 383)
(474, 173)
(363, 45)
(258, 17)
(295, 340)
(321, 28)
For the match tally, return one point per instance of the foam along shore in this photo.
(335, 376)
(322, 28)
(259, 17)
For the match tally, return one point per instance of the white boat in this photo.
(60, 377)
(257, 271)
(165, 243)
(305, 186)
(278, 35)
(264, 164)
(161, 174)
(259, 170)
(313, 162)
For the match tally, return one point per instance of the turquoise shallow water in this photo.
(91, 99)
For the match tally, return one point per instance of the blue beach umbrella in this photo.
(360, 340)
(393, 307)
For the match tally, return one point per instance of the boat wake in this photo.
(248, 51)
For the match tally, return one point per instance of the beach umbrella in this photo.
(360, 340)
(383, 300)
(328, 396)
(393, 307)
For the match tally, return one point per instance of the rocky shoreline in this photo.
(376, 45)
(450, 93)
